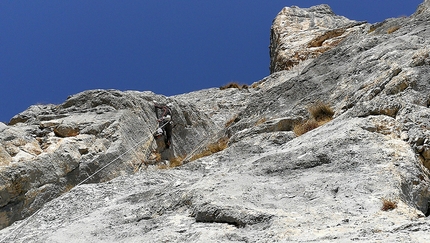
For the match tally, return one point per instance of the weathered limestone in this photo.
(327, 185)
(269, 185)
(219, 105)
(299, 34)
(49, 149)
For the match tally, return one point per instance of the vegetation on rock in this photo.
(234, 85)
(320, 113)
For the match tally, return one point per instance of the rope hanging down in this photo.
(137, 144)
(80, 183)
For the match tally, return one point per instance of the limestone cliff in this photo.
(362, 176)
(301, 34)
(48, 149)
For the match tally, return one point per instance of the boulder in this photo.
(66, 130)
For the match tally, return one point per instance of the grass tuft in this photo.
(255, 85)
(307, 126)
(177, 161)
(320, 113)
(393, 29)
(173, 162)
(261, 121)
(232, 120)
(212, 148)
(154, 156)
(388, 205)
(234, 85)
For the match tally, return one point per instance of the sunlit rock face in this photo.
(48, 149)
(362, 176)
(300, 34)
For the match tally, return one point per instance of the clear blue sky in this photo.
(50, 49)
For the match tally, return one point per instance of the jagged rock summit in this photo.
(300, 34)
(362, 176)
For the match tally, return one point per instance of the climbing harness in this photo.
(201, 144)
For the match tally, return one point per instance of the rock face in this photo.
(363, 176)
(299, 34)
(47, 150)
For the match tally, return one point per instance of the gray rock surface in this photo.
(47, 150)
(257, 190)
(300, 34)
(219, 105)
(330, 184)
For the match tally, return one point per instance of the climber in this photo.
(164, 122)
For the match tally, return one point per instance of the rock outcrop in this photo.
(363, 176)
(299, 34)
(46, 150)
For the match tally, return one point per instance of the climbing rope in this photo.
(89, 177)
(132, 148)
(212, 138)
(201, 144)
(21, 225)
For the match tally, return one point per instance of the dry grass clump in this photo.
(302, 128)
(388, 204)
(173, 162)
(375, 26)
(212, 148)
(68, 188)
(233, 85)
(177, 161)
(231, 121)
(163, 166)
(320, 113)
(261, 121)
(392, 29)
(154, 156)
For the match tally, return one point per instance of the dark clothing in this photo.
(162, 112)
(168, 129)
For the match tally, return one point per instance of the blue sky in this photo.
(51, 49)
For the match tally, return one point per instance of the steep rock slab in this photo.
(371, 72)
(327, 185)
(423, 8)
(48, 149)
(299, 34)
(220, 105)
